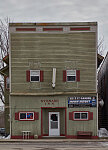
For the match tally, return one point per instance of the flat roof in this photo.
(53, 24)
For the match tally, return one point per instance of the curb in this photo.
(50, 140)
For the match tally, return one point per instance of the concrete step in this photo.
(54, 137)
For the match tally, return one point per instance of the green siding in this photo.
(33, 103)
(44, 51)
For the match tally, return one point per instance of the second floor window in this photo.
(34, 75)
(71, 75)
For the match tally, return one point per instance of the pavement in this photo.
(53, 144)
(51, 140)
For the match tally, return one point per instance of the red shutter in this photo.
(36, 116)
(77, 75)
(41, 76)
(28, 75)
(64, 75)
(16, 116)
(70, 116)
(90, 115)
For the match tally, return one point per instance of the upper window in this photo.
(26, 116)
(71, 75)
(80, 115)
(7, 82)
(34, 75)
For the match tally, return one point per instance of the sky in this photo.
(59, 11)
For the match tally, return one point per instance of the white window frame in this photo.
(69, 73)
(37, 74)
(80, 115)
(26, 115)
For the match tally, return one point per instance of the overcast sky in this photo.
(58, 11)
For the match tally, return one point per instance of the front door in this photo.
(54, 124)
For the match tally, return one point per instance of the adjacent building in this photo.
(103, 94)
(5, 73)
(53, 80)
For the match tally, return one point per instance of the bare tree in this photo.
(101, 47)
(4, 50)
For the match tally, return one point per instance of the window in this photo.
(7, 82)
(26, 116)
(34, 75)
(80, 116)
(71, 75)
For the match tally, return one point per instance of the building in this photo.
(53, 80)
(5, 73)
(2, 122)
(103, 94)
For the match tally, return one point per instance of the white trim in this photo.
(10, 80)
(35, 75)
(97, 74)
(26, 115)
(80, 115)
(54, 132)
(70, 75)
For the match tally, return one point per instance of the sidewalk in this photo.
(50, 140)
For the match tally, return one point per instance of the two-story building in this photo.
(53, 80)
(103, 93)
(5, 73)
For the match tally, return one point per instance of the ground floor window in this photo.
(26, 116)
(80, 115)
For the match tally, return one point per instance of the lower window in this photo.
(80, 116)
(26, 116)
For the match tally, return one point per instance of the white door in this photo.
(54, 124)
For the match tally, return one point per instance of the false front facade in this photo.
(53, 80)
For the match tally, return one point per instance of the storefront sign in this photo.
(83, 101)
(48, 102)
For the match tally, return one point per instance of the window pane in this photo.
(7, 82)
(77, 115)
(54, 117)
(71, 78)
(71, 72)
(29, 115)
(34, 78)
(84, 115)
(54, 125)
(22, 115)
(34, 72)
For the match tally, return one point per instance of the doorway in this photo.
(54, 124)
